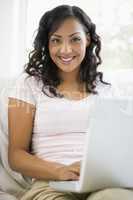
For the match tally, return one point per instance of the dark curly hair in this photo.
(42, 67)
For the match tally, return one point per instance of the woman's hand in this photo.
(69, 172)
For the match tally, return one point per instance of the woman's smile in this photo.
(66, 60)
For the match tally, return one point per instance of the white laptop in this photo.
(108, 154)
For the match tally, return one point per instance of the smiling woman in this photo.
(46, 130)
(69, 49)
(67, 46)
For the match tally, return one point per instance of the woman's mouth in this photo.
(66, 60)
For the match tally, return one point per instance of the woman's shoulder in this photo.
(105, 89)
(114, 89)
(25, 80)
(25, 88)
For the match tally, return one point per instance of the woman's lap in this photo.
(41, 191)
(112, 194)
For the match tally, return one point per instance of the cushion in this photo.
(11, 181)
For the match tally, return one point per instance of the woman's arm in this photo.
(20, 123)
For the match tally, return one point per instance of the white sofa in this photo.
(13, 184)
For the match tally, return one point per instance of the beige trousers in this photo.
(41, 191)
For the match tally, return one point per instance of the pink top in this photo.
(60, 124)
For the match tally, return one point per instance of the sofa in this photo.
(12, 184)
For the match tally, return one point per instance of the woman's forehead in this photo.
(69, 27)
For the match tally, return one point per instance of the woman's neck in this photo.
(71, 86)
(70, 78)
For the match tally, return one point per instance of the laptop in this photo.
(108, 152)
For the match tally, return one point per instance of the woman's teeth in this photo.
(66, 59)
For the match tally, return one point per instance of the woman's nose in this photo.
(66, 48)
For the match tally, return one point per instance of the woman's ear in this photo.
(88, 38)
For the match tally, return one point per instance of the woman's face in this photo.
(67, 46)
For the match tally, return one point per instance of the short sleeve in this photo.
(24, 88)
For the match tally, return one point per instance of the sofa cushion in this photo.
(11, 181)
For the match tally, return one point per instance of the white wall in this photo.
(5, 35)
(13, 17)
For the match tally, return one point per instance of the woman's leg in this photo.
(112, 194)
(41, 191)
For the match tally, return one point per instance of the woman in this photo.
(49, 108)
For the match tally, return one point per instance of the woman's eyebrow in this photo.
(56, 35)
(73, 34)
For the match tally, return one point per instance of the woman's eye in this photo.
(76, 39)
(55, 40)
